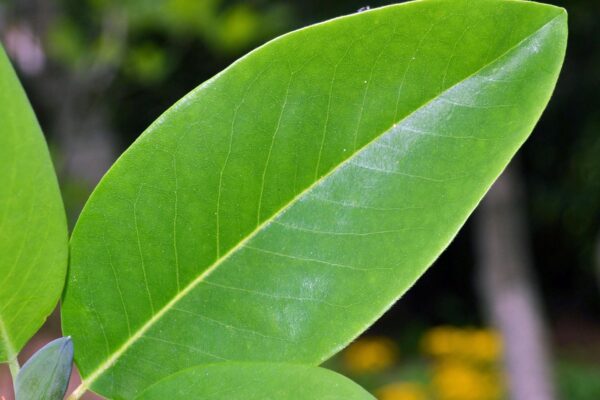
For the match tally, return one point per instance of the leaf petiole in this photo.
(13, 365)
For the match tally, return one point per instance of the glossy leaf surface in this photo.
(46, 375)
(33, 232)
(280, 208)
(256, 381)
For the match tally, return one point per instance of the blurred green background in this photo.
(98, 72)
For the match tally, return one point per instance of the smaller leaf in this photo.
(255, 381)
(46, 375)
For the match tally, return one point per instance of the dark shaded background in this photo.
(98, 72)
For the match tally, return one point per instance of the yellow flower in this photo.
(482, 345)
(457, 380)
(443, 341)
(485, 345)
(368, 355)
(466, 363)
(402, 391)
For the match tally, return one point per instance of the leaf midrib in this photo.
(107, 363)
(11, 353)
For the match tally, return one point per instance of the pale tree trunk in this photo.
(508, 291)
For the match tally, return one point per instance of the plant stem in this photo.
(78, 392)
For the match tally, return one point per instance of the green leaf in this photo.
(256, 381)
(33, 231)
(46, 375)
(280, 208)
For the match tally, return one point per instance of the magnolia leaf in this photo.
(33, 231)
(46, 375)
(280, 208)
(256, 381)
